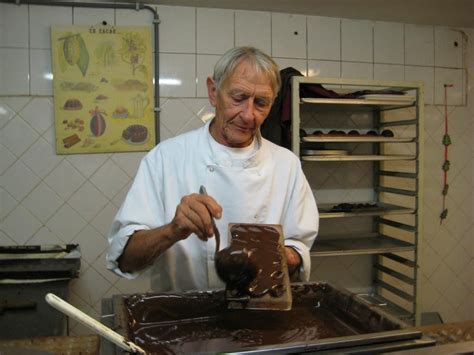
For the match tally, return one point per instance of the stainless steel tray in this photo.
(362, 325)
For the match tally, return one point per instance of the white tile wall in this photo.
(64, 179)
(47, 198)
(319, 30)
(424, 74)
(101, 178)
(128, 162)
(39, 122)
(389, 72)
(388, 42)
(201, 108)
(357, 41)
(6, 113)
(41, 77)
(124, 17)
(66, 223)
(20, 225)
(7, 159)
(177, 29)
(324, 68)
(448, 48)
(15, 128)
(204, 68)
(178, 75)
(14, 71)
(42, 202)
(88, 201)
(8, 204)
(14, 103)
(215, 30)
(13, 26)
(419, 45)
(357, 70)
(19, 180)
(253, 28)
(449, 77)
(175, 115)
(93, 16)
(87, 164)
(41, 20)
(288, 35)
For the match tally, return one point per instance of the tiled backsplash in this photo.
(191, 39)
(48, 198)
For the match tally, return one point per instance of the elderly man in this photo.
(166, 224)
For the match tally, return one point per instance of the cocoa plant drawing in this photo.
(133, 51)
(105, 54)
(74, 52)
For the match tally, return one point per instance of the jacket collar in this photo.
(221, 157)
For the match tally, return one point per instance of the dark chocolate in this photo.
(201, 322)
(252, 264)
(387, 133)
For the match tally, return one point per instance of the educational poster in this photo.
(103, 89)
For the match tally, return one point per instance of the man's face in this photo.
(242, 104)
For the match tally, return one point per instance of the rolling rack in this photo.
(391, 238)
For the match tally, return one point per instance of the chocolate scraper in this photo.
(254, 268)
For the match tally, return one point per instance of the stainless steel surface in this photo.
(457, 348)
(373, 343)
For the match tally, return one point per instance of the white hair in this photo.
(262, 63)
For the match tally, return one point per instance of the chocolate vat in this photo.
(323, 317)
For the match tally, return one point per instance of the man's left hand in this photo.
(293, 259)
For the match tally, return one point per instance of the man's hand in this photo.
(194, 215)
(293, 259)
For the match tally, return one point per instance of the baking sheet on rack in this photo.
(355, 138)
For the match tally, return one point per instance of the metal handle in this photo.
(91, 323)
(202, 191)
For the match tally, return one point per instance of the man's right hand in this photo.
(194, 215)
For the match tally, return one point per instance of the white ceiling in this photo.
(456, 13)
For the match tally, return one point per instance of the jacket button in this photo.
(211, 169)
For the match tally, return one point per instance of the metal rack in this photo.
(394, 236)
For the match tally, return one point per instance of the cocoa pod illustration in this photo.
(97, 123)
(72, 49)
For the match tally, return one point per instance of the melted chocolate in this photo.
(201, 322)
(252, 264)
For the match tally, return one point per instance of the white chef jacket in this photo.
(267, 187)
